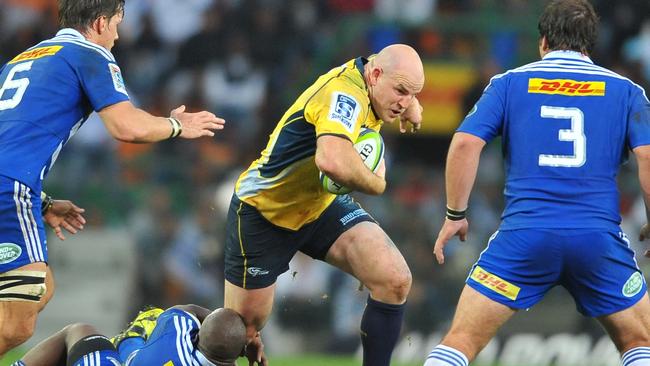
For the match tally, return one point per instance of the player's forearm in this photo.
(359, 178)
(129, 124)
(342, 164)
(462, 166)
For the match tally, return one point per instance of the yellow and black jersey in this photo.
(283, 183)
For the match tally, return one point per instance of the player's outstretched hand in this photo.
(64, 214)
(644, 234)
(255, 352)
(197, 124)
(413, 116)
(449, 229)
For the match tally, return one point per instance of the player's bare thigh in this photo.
(476, 321)
(18, 318)
(366, 252)
(254, 305)
(629, 328)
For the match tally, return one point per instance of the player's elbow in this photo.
(327, 164)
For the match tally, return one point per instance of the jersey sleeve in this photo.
(485, 120)
(337, 110)
(639, 119)
(101, 80)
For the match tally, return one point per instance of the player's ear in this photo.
(375, 73)
(99, 25)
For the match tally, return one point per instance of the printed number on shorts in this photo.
(19, 85)
(576, 135)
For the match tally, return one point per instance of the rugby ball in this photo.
(370, 147)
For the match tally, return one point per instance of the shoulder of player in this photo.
(341, 86)
(182, 310)
(74, 44)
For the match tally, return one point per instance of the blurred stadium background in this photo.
(156, 212)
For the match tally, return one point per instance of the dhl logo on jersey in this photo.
(36, 53)
(495, 283)
(566, 87)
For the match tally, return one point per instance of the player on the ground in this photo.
(279, 206)
(183, 335)
(46, 94)
(566, 126)
(75, 345)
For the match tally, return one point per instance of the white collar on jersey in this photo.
(568, 54)
(203, 361)
(70, 32)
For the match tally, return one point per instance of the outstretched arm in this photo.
(127, 123)
(460, 173)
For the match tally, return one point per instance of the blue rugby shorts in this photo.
(598, 268)
(22, 232)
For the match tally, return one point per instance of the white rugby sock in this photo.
(639, 356)
(446, 356)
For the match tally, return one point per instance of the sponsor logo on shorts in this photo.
(257, 271)
(9, 252)
(566, 87)
(352, 215)
(36, 53)
(495, 283)
(633, 285)
(345, 110)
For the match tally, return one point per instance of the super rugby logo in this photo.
(118, 80)
(344, 109)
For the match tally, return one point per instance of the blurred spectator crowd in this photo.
(246, 60)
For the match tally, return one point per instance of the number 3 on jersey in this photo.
(19, 85)
(576, 135)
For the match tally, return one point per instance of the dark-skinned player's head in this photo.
(222, 337)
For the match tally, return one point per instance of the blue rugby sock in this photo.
(446, 356)
(639, 356)
(380, 327)
(128, 345)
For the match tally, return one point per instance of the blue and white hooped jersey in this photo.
(46, 93)
(566, 126)
(173, 342)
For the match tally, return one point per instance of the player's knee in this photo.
(628, 341)
(16, 331)
(49, 293)
(399, 285)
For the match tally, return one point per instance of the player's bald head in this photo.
(402, 61)
(222, 336)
